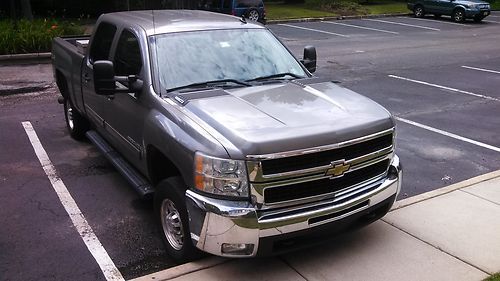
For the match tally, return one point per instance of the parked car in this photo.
(251, 9)
(459, 10)
(245, 152)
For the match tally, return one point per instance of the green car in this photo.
(459, 10)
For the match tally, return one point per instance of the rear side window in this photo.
(128, 59)
(101, 44)
(248, 3)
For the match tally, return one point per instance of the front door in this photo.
(126, 112)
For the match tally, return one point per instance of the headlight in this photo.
(473, 6)
(220, 176)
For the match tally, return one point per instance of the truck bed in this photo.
(67, 57)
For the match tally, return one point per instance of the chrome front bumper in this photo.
(214, 222)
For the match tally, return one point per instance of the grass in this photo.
(494, 277)
(276, 11)
(387, 8)
(23, 36)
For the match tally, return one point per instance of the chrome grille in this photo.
(307, 161)
(323, 186)
(302, 177)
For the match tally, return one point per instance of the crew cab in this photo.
(244, 151)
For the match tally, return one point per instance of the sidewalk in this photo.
(449, 234)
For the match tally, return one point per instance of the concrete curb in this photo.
(205, 263)
(183, 269)
(336, 18)
(24, 90)
(28, 58)
(444, 190)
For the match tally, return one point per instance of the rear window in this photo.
(248, 3)
(101, 44)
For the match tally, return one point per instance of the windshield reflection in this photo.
(240, 54)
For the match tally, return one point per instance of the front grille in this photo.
(323, 186)
(323, 158)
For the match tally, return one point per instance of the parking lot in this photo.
(440, 79)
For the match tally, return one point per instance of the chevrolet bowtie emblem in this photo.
(338, 168)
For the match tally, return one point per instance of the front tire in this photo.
(76, 124)
(173, 220)
(458, 16)
(419, 11)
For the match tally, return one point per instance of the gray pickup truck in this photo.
(244, 151)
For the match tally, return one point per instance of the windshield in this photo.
(239, 54)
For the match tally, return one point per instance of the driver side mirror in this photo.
(104, 80)
(104, 77)
(309, 60)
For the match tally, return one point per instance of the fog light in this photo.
(237, 249)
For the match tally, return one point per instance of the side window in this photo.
(247, 3)
(101, 44)
(128, 59)
(226, 4)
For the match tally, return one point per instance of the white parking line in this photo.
(444, 88)
(405, 24)
(95, 247)
(437, 21)
(361, 27)
(448, 134)
(491, 21)
(481, 69)
(315, 30)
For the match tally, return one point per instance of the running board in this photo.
(134, 178)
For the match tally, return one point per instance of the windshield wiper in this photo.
(278, 75)
(213, 83)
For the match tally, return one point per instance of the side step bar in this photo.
(134, 178)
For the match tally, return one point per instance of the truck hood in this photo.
(287, 116)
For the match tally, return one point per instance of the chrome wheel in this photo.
(253, 15)
(172, 224)
(419, 12)
(69, 115)
(458, 16)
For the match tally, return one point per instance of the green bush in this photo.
(342, 7)
(35, 36)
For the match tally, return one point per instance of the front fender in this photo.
(178, 138)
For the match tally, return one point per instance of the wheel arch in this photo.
(62, 83)
(160, 166)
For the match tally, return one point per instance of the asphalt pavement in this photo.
(440, 79)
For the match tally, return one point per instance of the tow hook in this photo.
(60, 100)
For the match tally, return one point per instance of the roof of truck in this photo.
(168, 21)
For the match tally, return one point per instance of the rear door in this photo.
(99, 50)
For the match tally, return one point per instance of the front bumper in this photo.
(215, 222)
(471, 13)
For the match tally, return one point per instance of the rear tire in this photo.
(173, 220)
(419, 11)
(77, 124)
(437, 16)
(458, 15)
(253, 15)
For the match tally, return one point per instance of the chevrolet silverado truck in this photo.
(243, 151)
